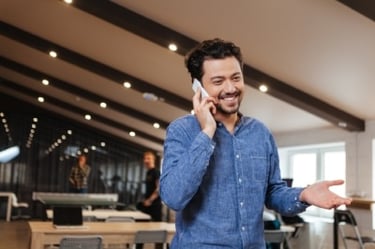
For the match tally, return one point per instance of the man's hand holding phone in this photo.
(204, 108)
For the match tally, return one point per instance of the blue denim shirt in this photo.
(219, 187)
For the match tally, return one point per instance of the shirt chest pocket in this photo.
(257, 167)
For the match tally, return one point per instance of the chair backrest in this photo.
(81, 242)
(150, 236)
(344, 216)
(345, 220)
(119, 219)
(14, 200)
(274, 236)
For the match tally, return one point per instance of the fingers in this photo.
(199, 102)
(335, 182)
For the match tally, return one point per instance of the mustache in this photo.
(228, 95)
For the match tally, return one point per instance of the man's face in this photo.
(148, 160)
(223, 80)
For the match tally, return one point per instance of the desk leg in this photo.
(36, 241)
(9, 208)
(335, 235)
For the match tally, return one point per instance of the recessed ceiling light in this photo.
(103, 104)
(342, 124)
(172, 47)
(263, 88)
(52, 54)
(45, 82)
(68, 1)
(102, 144)
(127, 84)
(41, 99)
(88, 117)
(156, 125)
(132, 133)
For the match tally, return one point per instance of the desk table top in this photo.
(101, 227)
(103, 214)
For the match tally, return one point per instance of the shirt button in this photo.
(241, 204)
(239, 180)
(237, 156)
(243, 228)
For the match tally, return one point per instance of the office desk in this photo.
(9, 204)
(102, 214)
(43, 233)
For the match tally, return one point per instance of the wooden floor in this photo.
(314, 235)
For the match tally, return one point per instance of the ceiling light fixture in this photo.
(45, 82)
(53, 54)
(68, 1)
(263, 88)
(172, 47)
(103, 104)
(41, 99)
(342, 124)
(127, 84)
(132, 133)
(156, 125)
(150, 96)
(88, 117)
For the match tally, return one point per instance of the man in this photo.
(221, 168)
(152, 202)
(79, 175)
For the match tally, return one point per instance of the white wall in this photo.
(359, 162)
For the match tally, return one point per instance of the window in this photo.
(309, 164)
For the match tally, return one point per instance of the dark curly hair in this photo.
(210, 49)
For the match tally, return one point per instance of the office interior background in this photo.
(112, 74)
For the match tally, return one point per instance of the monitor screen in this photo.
(67, 216)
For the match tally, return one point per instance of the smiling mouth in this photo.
(230, 97)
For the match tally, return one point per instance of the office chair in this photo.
(119, 219)
(19, 206)
(345, 221)
(81, 242)
(274, 236)
(150, 236)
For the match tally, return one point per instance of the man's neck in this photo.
(229, 120)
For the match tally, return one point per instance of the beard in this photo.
(230, 108)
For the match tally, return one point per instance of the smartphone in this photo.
(196, 85)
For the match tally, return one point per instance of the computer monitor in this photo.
(67, 216)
